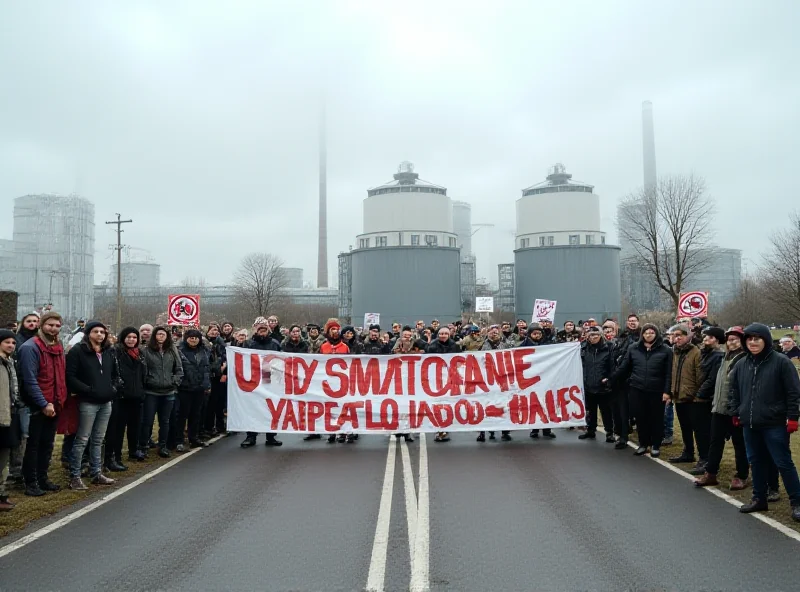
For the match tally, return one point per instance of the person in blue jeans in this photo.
(92, 376)
(164, 373)
(765, 400)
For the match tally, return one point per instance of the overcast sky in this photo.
(199, 119)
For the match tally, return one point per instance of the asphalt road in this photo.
(522, 515)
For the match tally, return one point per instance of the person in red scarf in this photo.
(43, 371)
(334, 345)
(126, 413)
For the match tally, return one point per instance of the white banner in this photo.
(484, 304)
(371, 318)
(511, 389)
(544, 310)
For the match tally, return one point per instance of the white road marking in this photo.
(411, 500)
(380, 545)
(10, 548)
(782, 528)
(420, 573)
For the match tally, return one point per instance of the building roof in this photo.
(406, 180)
(558, 180)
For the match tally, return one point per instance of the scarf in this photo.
(133, 352)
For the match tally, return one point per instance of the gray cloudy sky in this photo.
(198, 119)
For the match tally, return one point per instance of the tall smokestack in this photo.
(648, 145)
(322, 251)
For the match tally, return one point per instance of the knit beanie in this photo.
(6, 334)
(51, 314)
(715, 332)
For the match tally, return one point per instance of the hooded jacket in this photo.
(472, 342)
(353, 345)
(489, 345)
(687, 377)
(722, 387)
(764, 389)
(216, 356)
(650, 369)
(376, 347)
(598, 364)
(9, 394)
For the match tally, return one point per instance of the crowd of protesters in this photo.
(100, 390)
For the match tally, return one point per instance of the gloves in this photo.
(791, 426)
(738, 422)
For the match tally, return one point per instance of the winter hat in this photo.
(260, 321)
(93, 325)
(127, 331)
(594, 329)
(330, 324)
(50, 314)
(681, 327)
(193, 333)
(535, 327)
(735, 330)
(758, 330)
(647, 326)
(347, 328)
(6, 334)
(374, 327)
(715, 332)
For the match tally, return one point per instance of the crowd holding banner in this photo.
(342, 381)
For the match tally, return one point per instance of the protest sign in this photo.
(692, 304)
(514, 389)
(544, 310)
(484, 304)
(184, 309)
(371, 318)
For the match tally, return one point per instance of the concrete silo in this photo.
(561, 253)
(406, 264)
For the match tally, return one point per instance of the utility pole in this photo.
(118, 249)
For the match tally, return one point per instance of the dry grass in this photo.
(32, 508)
(780, 511)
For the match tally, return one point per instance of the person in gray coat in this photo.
(164, 376)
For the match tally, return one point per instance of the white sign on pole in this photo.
(371, 318)
(544, 310)
(484, 304)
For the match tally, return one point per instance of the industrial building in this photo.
(136, 274)
(294, 277)
(407, 262)
(505, 287)
(563, 255)
(53, 254)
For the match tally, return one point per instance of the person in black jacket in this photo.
(373, 345)
(598, 366)
(262, 340)
(126, 412)
(92, 376)
(765, 399)
(195, 385)
(443, 345)
(620, 405)
(217, 401)
(711, 357)
(536, 337)
(350, 340)
(649, 363)
(295, 344)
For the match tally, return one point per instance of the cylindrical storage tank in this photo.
(462, 226)
(406, 284)
(584, 280)
(8, 307)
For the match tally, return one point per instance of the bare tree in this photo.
(260, 282)
(668, 227)
(781, 269)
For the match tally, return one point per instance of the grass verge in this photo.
(33, 508)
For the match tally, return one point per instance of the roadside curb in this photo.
(792, 534)
(37, 534)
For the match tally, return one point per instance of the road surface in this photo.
(521, 515)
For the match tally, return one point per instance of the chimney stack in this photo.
(648, 145)
(322, 250)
